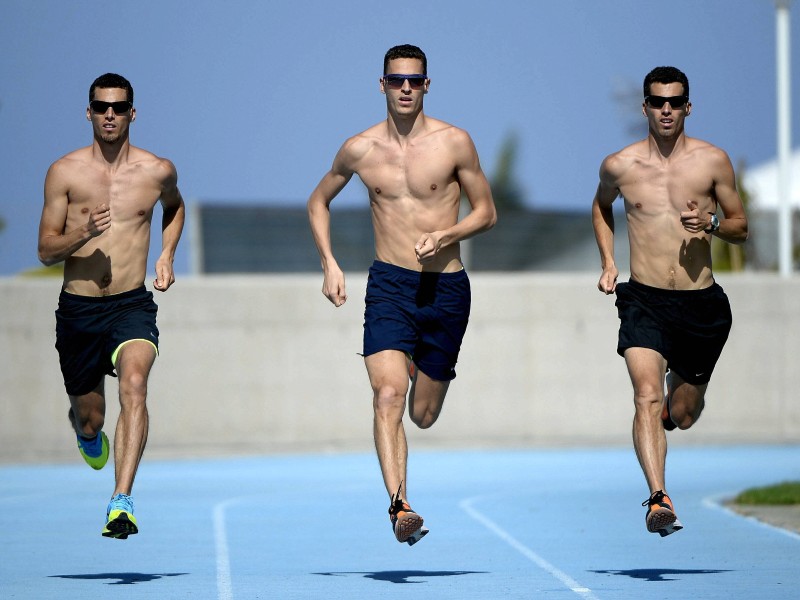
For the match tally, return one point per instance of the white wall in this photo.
(261, 364)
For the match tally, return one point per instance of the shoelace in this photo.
(397, 502)
(655, 498)
(122, 502)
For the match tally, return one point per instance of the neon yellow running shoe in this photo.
(120, 522)
(94, 452)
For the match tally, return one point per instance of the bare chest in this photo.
(129, 194)
(413, 172)
(656, 189)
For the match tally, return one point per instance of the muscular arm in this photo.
(483, 214)
(56, 244)
(171, 226)
(733, 228)
(603, 223)
(319, 217)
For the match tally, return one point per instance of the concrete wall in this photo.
(262, 364)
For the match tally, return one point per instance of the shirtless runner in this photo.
(674, 318)
(98, 204)
(418, 296)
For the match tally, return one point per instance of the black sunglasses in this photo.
(101, 108)
(396, 80)
(675, 102)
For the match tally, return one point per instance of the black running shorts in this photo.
(687, 327)
(90, 329)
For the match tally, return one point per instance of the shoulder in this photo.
(161, 169)
(454, 140)
(703, 152)
(70, 162)
(358, 146)
(447, 131)
(707, 149)
(618, 163)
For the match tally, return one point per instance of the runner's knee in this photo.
(648, 397)
(388, 400)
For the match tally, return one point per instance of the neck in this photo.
(666, 146)
(111, 153)
(404, 126)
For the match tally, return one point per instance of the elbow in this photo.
(491, 220)
(47, 260)
(744, 235)
(46, 257)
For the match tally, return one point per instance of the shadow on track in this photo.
(660, 574)
(402, 576)
(121, 578)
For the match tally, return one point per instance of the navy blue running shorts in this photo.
(90, 329)
(423, 314)
(687, 327)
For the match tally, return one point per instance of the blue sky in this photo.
(251, 100)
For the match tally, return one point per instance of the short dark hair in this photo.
(665, 75)
(111, 80)
(405, 51)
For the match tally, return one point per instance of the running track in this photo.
(563, 524)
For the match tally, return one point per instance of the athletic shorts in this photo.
(687, 327)
(89, 330)
(424, 315)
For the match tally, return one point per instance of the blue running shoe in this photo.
(120, 522)
(94, 452)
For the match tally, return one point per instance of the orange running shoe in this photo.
(406, 524)
(661, 518)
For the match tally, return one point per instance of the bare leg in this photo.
(426, 399)
(133, 366)
(388, 376)
(647, 369)
(87, 413)
(686, 400)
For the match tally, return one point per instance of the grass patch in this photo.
(784, 493)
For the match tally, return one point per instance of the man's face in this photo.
(666, 121)
(404, 94)
(110, 123)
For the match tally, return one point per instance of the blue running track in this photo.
(530, 524)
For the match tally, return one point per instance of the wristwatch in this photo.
(714, 224)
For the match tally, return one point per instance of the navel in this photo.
(377, 190)
(141, 213)
(434, 186)
(84, 210)
(638, 205)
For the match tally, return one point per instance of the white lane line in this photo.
(565, 579)
(716, 503)
(224, 589)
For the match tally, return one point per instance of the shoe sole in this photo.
(408, 526)
(120, 526)
(663, 522)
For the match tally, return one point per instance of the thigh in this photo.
(647, 369)
(442, 316)
(84, 405)
(388, 370)
(426, 393)
(685, 396)
(135, 357)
